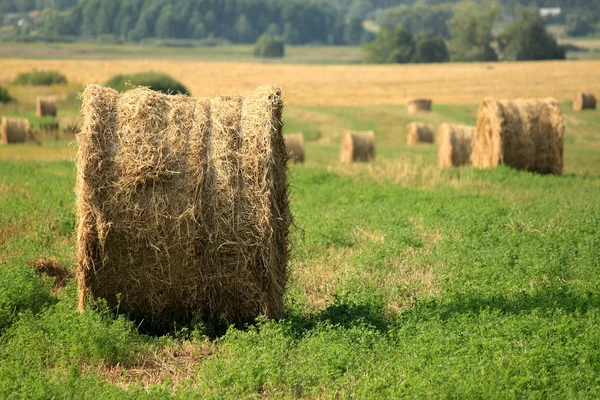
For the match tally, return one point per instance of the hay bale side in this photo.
(45, 106)
(294, 146)
(414, 106)
(523, 134)
(455, 143)
(418, 132)
(584, 101)
(358, 146)
(182, 205)
(14, 130)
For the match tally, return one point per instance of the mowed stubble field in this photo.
(405, 280)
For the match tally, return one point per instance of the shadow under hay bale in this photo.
(358, 146)
(294, 146)
(414, 106)
(52, 268)
(45, 106)
(523, 134)
(584, 101)
(418, 132)
(455, 143)
(182, 208)
(14, 130)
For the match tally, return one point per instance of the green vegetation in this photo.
(40, 78)
(4, 96)
(471, 29)
(154, 80)
(401, 47)
(269, 46)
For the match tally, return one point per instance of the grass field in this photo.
(405, 280)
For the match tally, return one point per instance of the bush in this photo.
(269, 46)
(389, 47)
(40, 78)
(4, 96)
(430, 49)
(154, 80)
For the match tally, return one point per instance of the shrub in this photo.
(4, 96)
(154, 80)
(40, 78)
(269, 46)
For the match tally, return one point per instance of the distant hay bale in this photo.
(584, 101)
(45, 106)
(523, 134)
(454, 145)
(358, 146)
(294, 146)
(418, 132)
(415, 105)
(182, 205)
(14, 130)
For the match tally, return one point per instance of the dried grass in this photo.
(455, 143)
(45, 106)
(358, 147)
(523, 134)
(50, 267)
(182, 206)
(14, 130)
(414, 106)
(418, 132)
(584, 101)
(294, 145)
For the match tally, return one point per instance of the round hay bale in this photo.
(523, 134)
(45, 106)
(294, 146)
(14, 130)
(584, 101)
(358, 146)
(418, 132)
(454, 145)
(182, 206)
(413, 106)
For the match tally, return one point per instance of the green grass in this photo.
(405, 281)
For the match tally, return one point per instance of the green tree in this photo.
(390, 47)
(527, 38)
(471, 29)
(430, 49)
(165, 24)
(269, 46)
(580, 23)
(243, 30)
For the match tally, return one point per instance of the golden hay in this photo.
(418, 132)
(523, 134)
(584, 101)
(294, 145)
(455, 143)
(182, 205)
(358, 146)
(413, 106)
(14, 130)
(45, 106)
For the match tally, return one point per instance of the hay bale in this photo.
(414, 106)
(523, 134)
(14, 130)
(584, 101)
(182, 205)
(418, 132)
(45, 106)
(358, 146)
(294, 146)
(455, 143)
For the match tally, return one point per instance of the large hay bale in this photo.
(455, 143)
(14, 130)
(358, 146)
(294, 146)
(418, 132)
(523, 134)
(45, 106)
(413, 106)
(182, 205)
(584, 101)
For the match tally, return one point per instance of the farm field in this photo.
(405, 280)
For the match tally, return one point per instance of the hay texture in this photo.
(358, 146)
(14, 130)
(455, 143)
(414, 106)
(182, 205)
(294, 146)
(523, 134)
(584, 101)
(45, 106)
(418, 132)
